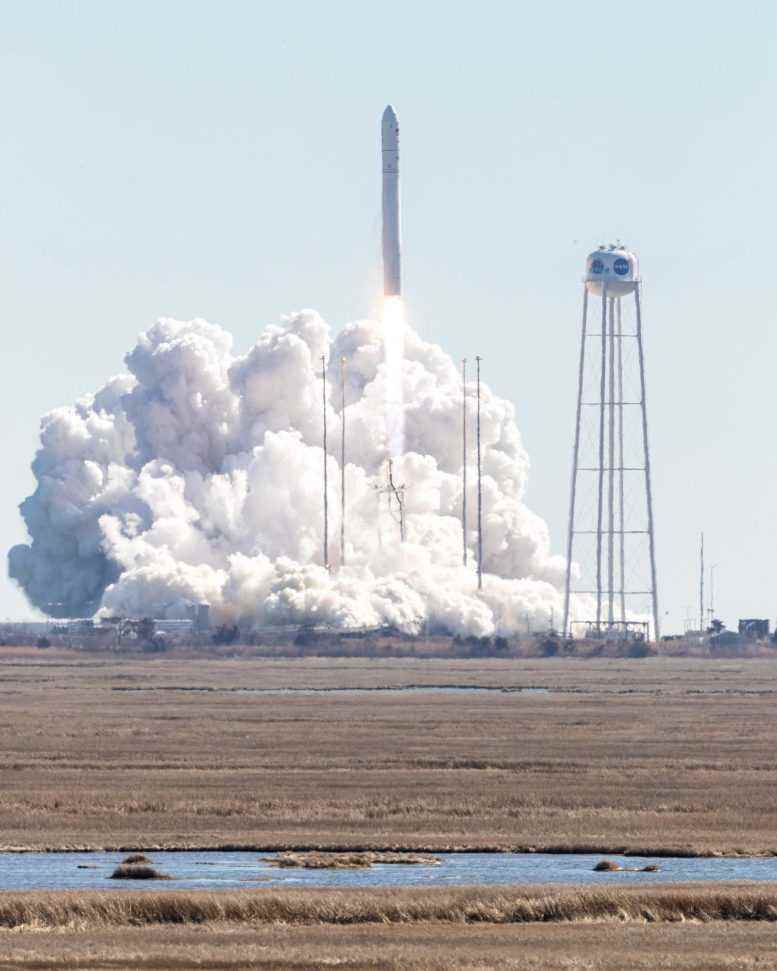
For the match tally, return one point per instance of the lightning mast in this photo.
(464, 459)
(326, 481)
(701, 584)
(480, 488)
(342, 461)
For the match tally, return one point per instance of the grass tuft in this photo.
(348, 861)
(133, 871)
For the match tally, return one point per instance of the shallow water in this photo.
(397, 690)
(212, 870)
(379, 689)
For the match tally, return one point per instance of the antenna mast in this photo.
(326, 482)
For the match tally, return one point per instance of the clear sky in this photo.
(221, 160)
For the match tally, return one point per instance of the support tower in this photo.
(611, 530)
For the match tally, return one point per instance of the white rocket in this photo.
(392, 274)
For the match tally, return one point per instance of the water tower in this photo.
(611, 531)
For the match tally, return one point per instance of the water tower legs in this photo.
(621, 518)
(648, 486)
(600, 469)
(607, 462)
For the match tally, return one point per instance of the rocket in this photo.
(392, 275)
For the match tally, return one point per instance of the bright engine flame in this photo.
(394, 344)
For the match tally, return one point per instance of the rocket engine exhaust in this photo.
(392, 274)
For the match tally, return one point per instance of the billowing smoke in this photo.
(197, 477)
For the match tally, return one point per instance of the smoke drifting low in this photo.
(197, 477)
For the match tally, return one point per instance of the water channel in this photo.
(230, 870)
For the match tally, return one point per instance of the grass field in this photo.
(718, 946)
(654, 754)
(466, 928)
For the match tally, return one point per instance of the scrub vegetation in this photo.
(650, 757)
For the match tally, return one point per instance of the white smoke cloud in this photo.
(197, 477)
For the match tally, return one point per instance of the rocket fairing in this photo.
(392, 275)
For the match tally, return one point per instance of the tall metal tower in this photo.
(610, 531)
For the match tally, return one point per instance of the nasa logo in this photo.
(621, 266)
(597, 266)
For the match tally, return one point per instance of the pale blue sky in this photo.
(221, 160)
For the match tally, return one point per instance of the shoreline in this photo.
(594, 849)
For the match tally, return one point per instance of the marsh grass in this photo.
(610, 866)
(505, 905)
(136, 858)
(137, 871)
(348, 861)
(656, 757)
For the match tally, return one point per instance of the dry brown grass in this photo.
(587, 946)
(461, 905)
(656, 755)
(347, 861)
(136, 871)
(610, 866)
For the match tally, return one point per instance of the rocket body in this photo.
(392, 273)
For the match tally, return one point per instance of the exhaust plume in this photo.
(394, 346)
(195, 476)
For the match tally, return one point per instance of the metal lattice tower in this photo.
(611, 529)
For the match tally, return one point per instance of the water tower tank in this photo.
(615, 266)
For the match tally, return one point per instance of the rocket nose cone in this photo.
(390, 127)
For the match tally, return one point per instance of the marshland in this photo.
(652, 756)
(520, 927)
(648, 757)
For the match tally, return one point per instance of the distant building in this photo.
(726, 638)
(754, 629)
(202, 617)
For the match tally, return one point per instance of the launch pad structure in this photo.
(395, 497)
(614, 450)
